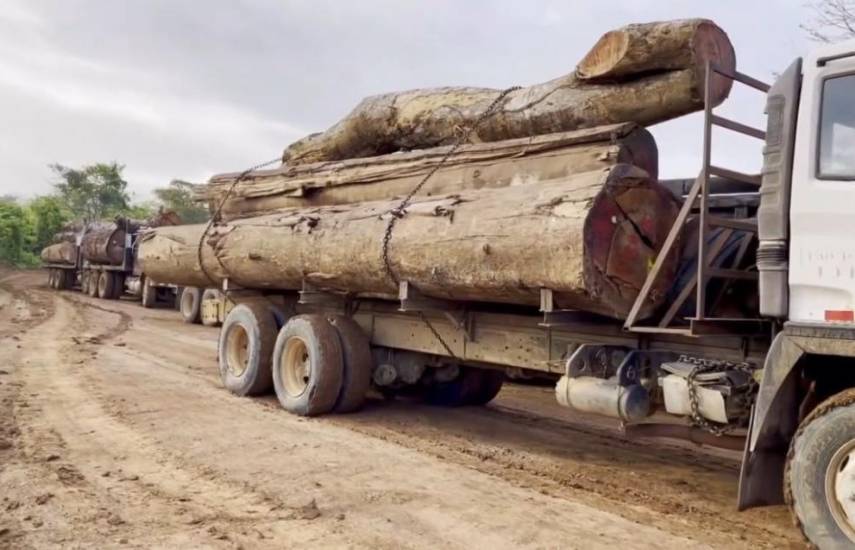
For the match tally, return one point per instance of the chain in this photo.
(703, 366)
(400, 210)
(216, 215)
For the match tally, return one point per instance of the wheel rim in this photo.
(237, 357)
(840, 488)
(295, 366)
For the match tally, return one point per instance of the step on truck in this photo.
(754, 349)
(101, 261)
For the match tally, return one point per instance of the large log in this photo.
(648, 83)
(104, 243)
(590, 238)
(63, 252)
(538, 159)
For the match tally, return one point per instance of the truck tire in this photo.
(191, 304)
(118, 285)
(819, 479)
(489, 387)
(357, 364)
(209, 294)
(308, 365)
(247, 340)
(67, 279)
(148, 294)
(51, 277)
(94, 283)
(107, 286)
(473, 386)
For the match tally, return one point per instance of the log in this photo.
(63, 252)
(649, 47)
(590, 238)
(648, 84)
(104, 243)
(537, 159)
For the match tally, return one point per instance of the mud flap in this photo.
(761, 475)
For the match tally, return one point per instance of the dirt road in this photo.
(115, 432)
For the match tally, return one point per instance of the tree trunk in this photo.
(661, 46)
(538, 159)
(650, 82)
(60, 253)
(590, 238)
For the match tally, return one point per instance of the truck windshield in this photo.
(837, 131)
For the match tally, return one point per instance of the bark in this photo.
(537, 159)
(590, 238)
(643, 89)
(63, 252)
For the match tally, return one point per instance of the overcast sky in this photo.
(185, 89)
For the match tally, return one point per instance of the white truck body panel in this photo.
(822, 213)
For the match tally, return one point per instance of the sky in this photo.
(186, 89)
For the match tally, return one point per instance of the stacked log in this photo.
(645, 73)
(63, 252)
(538, 159)
(589, 238)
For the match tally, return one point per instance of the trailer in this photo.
(753, 350)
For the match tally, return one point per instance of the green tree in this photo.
(93, 192)
(178, 197)
(47, 214)
(15, 231)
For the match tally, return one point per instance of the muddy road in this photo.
(115, 432)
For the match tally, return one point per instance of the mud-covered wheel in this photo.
(820, 473)
(149, 293)
(51, 278)
(210, 294)
(488, 388)
(94, 282)
(357, 364)
(191, 304)
(246, 345)
(107, 286)
(67, 279)
(308, 365)
(472, 386)
(118, 285)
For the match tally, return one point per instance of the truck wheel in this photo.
(67, 279)
(149, 293)
(106, 286)
(308, 365)
(191, 304)
(489, 386)
(118, 286)
(473, 386)
(94, 283)
(246, 345)
(209, 294)
(357, 364)
(820, 473)
(51, 276)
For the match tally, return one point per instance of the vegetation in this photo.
(88, 193)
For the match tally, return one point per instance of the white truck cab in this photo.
(822, 205)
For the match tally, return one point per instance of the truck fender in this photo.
(774, 420)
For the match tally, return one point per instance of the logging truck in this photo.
(100, 259)
(749, 343)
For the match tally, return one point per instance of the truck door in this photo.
(822, 207)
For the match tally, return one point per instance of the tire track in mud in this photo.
(109, 466)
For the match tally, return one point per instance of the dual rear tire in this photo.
(315, 364)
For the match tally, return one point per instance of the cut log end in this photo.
(643, 49)
(624, 232)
